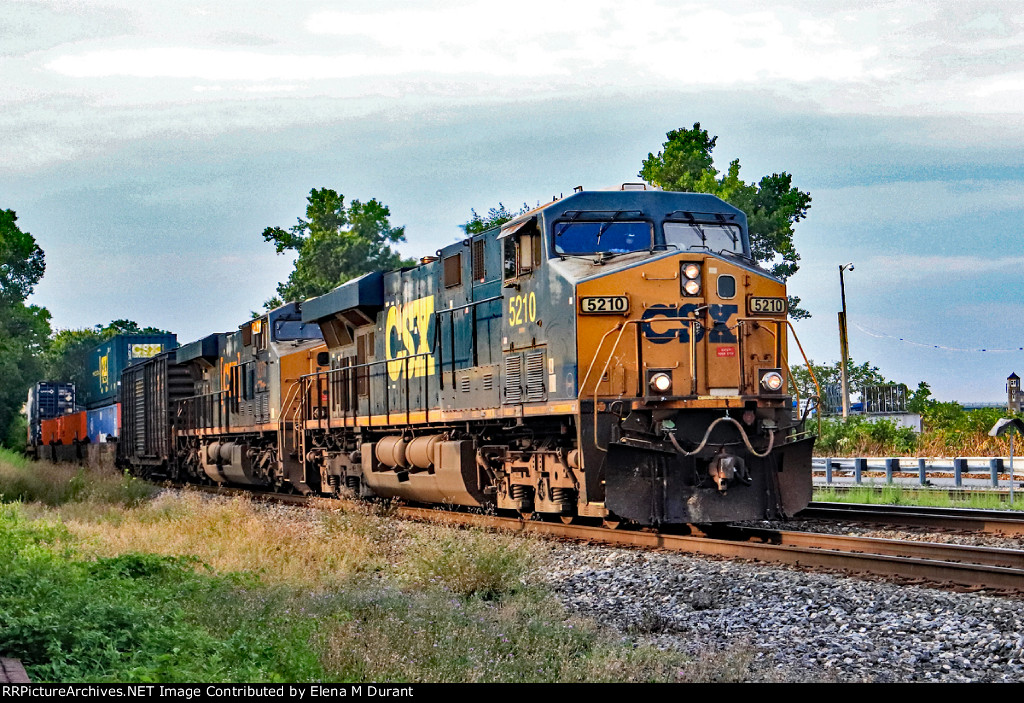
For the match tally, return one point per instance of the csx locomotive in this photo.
(615, 355)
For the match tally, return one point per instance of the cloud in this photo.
(912, 203)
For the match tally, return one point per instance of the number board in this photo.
(766, 306)
(604, 305)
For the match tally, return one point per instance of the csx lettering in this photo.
(665, 333)
(407, 335)
(720, 332)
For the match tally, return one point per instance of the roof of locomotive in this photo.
(367, 291)
(653, 203)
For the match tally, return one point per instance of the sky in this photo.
(146, 145)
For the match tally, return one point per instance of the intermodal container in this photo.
(102, 424)
(108, 359)
(47, 400)
(67, 429)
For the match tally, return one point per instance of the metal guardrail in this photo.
(988, 468)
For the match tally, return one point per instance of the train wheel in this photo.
(612, 523)
(569, 519)
(525, 515)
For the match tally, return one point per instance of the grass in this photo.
(883, 494)
(106, 580)
(58, 484)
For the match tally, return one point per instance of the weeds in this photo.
(902, 495)
(60, 484)
(472, 562)
(238, 535)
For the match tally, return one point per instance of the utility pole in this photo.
(844, 346)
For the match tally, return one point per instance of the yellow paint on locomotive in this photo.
(711, 343)
(406, 335)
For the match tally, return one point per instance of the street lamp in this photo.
(1008, 425)
(844, 346)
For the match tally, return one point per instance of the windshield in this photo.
(285, 330)
(698, 236)
(602, 237)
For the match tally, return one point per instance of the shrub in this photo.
(473, 562)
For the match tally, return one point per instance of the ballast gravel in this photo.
(800, 626)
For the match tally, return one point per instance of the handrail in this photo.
(780, 356)
(621, 326)
(347, 371)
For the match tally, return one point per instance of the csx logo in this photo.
(104, 373)
(718, 334)
(406, 334)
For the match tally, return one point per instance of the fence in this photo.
(976, 469)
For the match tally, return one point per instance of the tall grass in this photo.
(28, 481)
(102, 583)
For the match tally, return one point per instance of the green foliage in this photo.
(22, 262)
(772, 205)
(136, 617)
(858, 376)
(496, 217)
(859, 435)
(335, 244)
(921, 399)
(430, 636)
(23, 328)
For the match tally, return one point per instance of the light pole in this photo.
(844, 346)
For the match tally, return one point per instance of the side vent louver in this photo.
(535, 389)
(514, 378)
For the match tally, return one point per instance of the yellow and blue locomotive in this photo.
(613, 354)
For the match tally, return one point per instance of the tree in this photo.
(496, 217)
(335, 244)
(858, 376)
(23, 328)
(22, 262)
(772, 205)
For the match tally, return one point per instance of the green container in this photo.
(108, 359)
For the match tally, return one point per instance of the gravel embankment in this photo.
(802, 626)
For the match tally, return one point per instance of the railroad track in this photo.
(965, 567)
(1009, 523)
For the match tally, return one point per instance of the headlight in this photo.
(691, 271)
(661, 382)
(691, 287)
(772, 381)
